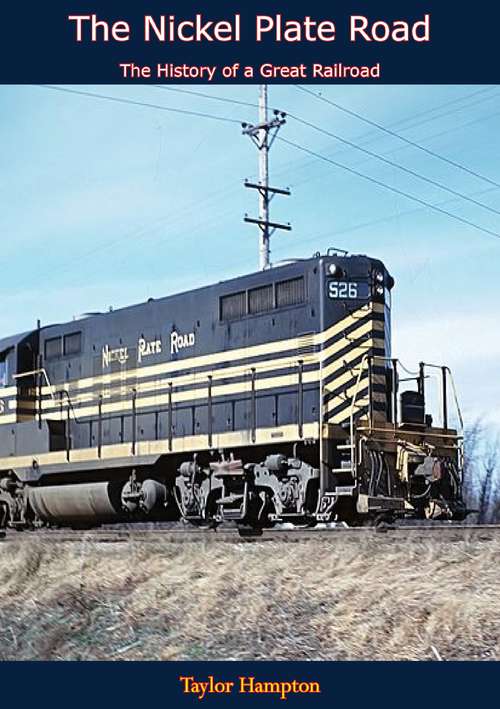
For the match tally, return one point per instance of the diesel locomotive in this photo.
(269, 398)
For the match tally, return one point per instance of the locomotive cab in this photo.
(18, 357)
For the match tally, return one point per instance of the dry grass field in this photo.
(372, 599)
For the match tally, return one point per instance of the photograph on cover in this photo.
(249, 374)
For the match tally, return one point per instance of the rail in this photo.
(158, 533)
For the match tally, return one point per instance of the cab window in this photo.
(4, 374)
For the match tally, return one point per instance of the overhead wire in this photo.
(403, 123)
(224, 99)
(380, 183)
(215, 97)
(143, 231)
(408, 170)
(254, 104)
(450, 102)
(461, 126)
(446, 132)
(292, 144)
(380, 220)
(409, 122)
(350, 143)
(393, 133)
(145, 104)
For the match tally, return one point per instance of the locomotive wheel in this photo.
(247, 531)
(4, 516)
(384, 522)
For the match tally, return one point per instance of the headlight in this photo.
(379, 290)
(333, 269)
(379, 277)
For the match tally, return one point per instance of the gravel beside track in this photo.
(182, 534)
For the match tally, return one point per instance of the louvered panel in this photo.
(305, 347)
(261, 300)
(233, 306)
(290, 292)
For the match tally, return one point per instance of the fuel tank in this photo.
(78, 504)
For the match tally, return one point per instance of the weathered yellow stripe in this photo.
(157, 386)
(166, 368)
(8, 418)
(242, 387)
(287, 380)
(345, 415)
(348, 393)
(358, 349)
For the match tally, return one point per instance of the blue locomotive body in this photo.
(173, 406)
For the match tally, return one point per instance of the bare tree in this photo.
(489, 492)
(482, 471)
(473, 436)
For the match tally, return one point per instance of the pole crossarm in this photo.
(264, 133)
(252, 129)
(264, 223)
(267, 188)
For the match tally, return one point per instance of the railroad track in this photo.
(479, 532)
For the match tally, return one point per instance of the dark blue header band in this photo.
(114, 42)
(353, 684)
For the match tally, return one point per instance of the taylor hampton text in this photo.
(246, 685)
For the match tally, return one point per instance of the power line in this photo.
(224, 99)
(479, 119)
(398, 135)
(362, 225)
(205, 95)
(295, 145)
(213, 97)
(447, 131)
(388, 187)
(446, 113)
(156, 106)
(427, 111)
(368, 138)
(408, 170)
(379, 220)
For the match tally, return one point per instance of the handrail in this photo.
(371, 357)
(41, 370)
(70, 407)
(455, 395)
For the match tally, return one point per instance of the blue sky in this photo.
(107, 204)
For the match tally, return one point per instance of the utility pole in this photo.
(263, 134)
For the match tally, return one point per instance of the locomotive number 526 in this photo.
(344, 289)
